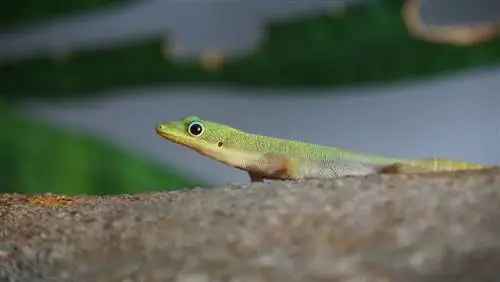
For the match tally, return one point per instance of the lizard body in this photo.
(265, 157)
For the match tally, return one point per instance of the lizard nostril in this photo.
(219, 144)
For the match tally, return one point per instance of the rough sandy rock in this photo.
(442, 227)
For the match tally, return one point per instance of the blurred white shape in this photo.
(229, 27)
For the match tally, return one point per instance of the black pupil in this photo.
(195, 129)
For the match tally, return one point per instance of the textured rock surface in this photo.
(441, 227)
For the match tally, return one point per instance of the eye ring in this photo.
(196, 128)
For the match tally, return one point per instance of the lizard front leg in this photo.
(272, 166)
(398, 168)
(254, 177)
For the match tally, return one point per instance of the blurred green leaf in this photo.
(36, 158)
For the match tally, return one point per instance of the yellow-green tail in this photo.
(440, 164)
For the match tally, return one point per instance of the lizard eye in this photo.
(196, 128)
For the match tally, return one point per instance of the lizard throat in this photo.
(232, 157)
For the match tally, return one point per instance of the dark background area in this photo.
(365, 44)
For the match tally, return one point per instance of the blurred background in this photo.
(83, 82)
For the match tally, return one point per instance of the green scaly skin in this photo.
(265, 157)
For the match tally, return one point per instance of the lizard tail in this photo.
(440, 164)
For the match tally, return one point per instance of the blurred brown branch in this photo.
(460, 35)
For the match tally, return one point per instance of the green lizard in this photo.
(266, 157)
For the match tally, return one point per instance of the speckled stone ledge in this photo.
(435, 227)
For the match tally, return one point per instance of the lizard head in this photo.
(206, 137)
(220, 142)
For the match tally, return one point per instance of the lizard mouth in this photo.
(170, 137)
(179, 140)
(162, 134)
